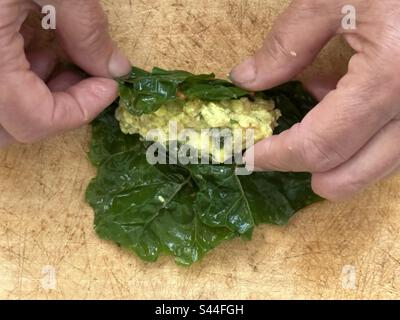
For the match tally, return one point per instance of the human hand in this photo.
(352, 137)
(34, 103)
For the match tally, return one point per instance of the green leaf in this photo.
(186, 211)
(145, 92)
(220, 200)
(274, 197)
(107, 138)
(150, 212)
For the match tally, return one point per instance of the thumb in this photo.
(82, 28)
(293, 43)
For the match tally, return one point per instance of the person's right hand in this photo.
(352, 138)
(33, 104)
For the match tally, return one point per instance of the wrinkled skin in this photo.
(352, 138)
(35, 102)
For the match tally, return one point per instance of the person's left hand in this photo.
(35, 102)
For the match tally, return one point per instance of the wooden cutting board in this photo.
(47, 245)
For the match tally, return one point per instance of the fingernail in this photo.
(245, 72)
(119, 64)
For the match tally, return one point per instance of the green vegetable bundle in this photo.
(186, 211)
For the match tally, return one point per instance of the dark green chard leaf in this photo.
(210, 89)
(221, 200)
(186, 211)
(151, 211)
(107, 138)
(275, 196)
(183, 234)
(145, 92)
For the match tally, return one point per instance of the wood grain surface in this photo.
(347, 250)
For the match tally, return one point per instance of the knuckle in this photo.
(89, 12)
(319, 155)
(276, 48)
(93, 39)
(94, 28)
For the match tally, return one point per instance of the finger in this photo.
(12, 16)
(64, 80)
(29, 111)
(286, 51)
(83, 30)
(42, 62)
(379, 158)
(31, 117)
(81, 103)
(339, 126)
(5, 138)
(320, 86)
